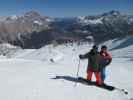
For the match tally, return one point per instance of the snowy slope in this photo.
(84, 21)
(28, 74)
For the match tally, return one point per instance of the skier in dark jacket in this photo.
(106, 59)
(93, 64)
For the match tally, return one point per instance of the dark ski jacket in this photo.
(93, 59)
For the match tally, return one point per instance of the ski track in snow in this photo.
(29, 74)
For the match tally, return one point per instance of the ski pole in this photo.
(122, 90)
(78, 69)
(77, 73)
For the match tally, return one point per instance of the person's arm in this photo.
(84, 56)
(109, 58)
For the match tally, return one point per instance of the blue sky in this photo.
(65, 8)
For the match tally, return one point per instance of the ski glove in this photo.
(108, 62)
(80, 56)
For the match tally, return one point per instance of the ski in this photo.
(104, 86)
(91, 83)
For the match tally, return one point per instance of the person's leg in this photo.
(98, 78)
(89, 74)
(103, 74)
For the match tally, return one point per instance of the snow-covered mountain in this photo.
(12, 27)
(106, 26)
(29, 74)
(101, 27)
(22, 30)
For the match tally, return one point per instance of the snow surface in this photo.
(49, 19)
(85, 21)
(130, 20)
(2, 18)
(29, 74)
(37, 22)
(14, 17)
(96, 21)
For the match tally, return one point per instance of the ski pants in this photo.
(90, 71)
(103, 74)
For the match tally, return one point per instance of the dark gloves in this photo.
(108, 62)
(85, 56)
(80, 56)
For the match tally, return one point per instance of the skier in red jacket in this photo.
(106, 60)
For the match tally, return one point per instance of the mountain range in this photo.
(33, 30)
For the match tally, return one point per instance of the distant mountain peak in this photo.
(14, 17)
(32, 14)
(112, 12)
